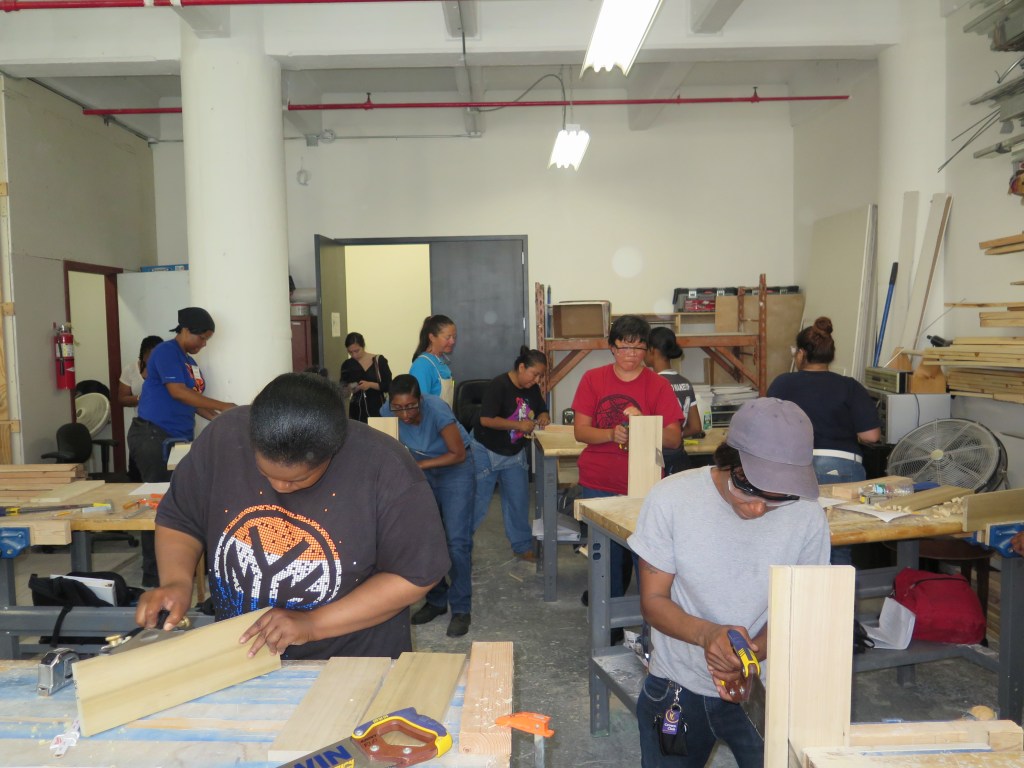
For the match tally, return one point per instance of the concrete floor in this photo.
(551, 648)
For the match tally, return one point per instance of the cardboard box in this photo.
(580, 319)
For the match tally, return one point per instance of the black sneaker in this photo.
(459, 625)
(428, 613)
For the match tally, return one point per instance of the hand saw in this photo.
(366, 747)
(749, 691)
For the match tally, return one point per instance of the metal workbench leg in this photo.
(547, 480)
(8, 641)
(908, 555)
(1011, 635)
(599, 612)
(81, 551)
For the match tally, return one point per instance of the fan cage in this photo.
(955, 452)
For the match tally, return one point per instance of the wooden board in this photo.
(784, 311)
(931, 246)
(425, 681)
(386, 424)
(850, 491)
(925, 499)
(999, 735)
(644, 452)
(46, 531)
(116, 689)
(178, 452)
(811, 608)
(852, 758)
(67, 492)
(332, 708)
(1004, 249)
(996, 507)
(34, 470)
(488, 697)
(1001, 241)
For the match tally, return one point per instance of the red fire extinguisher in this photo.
(64, 350)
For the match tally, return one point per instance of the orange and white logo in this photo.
(269, 556)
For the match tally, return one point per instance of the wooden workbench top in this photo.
(560, 442)
(232, 727)
(55, 528)
(618, 515)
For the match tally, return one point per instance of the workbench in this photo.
(556, 443)
(235, 726)
(59, 528)
(618, 670)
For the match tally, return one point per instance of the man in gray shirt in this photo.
(706, 539)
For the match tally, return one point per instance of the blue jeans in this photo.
(620, 558)
(832, 469)
(707, 719)
(509, 473)
(453, 491)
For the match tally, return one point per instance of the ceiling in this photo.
(413, 51)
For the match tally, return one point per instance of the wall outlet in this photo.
(335, 324)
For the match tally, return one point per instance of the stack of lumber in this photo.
(22, 481)
(1009, 244)
(982, 366)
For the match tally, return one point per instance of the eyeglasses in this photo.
(739, 483)
(405, 408)
(629, 350)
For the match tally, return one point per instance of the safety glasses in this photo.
(741, 487)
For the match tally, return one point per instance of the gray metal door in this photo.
(481, 285)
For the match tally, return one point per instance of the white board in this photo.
(840, 284)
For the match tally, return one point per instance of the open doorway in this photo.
(90, 295)
(383, 288)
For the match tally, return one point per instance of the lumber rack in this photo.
(725, 349)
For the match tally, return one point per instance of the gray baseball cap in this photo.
(775, 441)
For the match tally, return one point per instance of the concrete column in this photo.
(235, 204)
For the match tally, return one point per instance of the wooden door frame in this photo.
(113, 349)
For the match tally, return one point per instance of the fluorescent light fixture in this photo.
(621, 28)
(570, 146)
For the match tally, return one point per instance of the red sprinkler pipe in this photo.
(57, 5)
(369, 104)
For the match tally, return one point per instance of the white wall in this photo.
(78, 191)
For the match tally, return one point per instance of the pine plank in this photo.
(994, 340)
(1000, 735)
(982, 304)
(122, 687)
(386, 424)
(332, 708)
(811, 608)
(998, 251)
(67, 492)
(488, 697)
(43, 531)
(995, 507)
(1000, 241)
(925, 499)
(855, 758)
(425, 681)
(850, 491)
(644, 469)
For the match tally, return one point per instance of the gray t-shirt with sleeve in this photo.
(719, 560)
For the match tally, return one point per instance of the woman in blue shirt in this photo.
(172, 395)
(430, 360)
(440, 445)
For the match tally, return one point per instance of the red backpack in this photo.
(947, 609)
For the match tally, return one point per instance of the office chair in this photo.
(469, 397)
(74, 446)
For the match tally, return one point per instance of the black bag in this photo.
(68, 593)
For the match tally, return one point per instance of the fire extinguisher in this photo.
(64, 350)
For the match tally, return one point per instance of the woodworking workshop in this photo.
(512, 383)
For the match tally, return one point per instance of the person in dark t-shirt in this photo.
(329, 522)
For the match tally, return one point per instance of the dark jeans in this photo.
(707, 718)
(146, 446)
